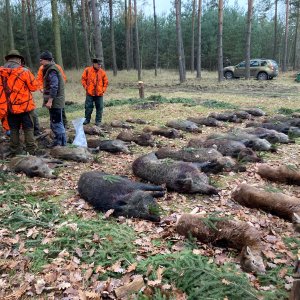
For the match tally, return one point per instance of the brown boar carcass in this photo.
(79, 154)
(249, 140)
(226, 233)
(93, 130)
(256, 112)
(170, 133)
(184, 125)
(231, 148)
(226, 117)
(279, 204)
(177, 175)
(120, 124)
(137, 121)
(208, 121)
(142, 139)
(126, 197)
(285, 174)
(32, 166)
(208, 159)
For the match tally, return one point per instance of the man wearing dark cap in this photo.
(95, 82)
(54, 97)
(16, 101)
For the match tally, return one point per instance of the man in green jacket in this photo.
(54, 97)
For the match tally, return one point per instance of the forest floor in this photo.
(53, 245)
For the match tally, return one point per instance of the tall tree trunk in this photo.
(131, 34)
(89, 27)
(2, 45)
(85, 34)
(112, 38)
(275, 30)
(286, 34)
(127, 36)
(74, 35)
(199, 39)
(156, 38)
(181, 67)
(9, 25)
(34, 31)
(24, 27)
(220, 42)
(297, 41)
(248, 38)
(193, 38)
(97, 31)
(56, 31)
(137, 43)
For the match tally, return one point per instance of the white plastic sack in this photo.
(80, 138)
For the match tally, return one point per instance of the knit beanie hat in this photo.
(47, 55)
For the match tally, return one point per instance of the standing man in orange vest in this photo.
(95, 82)
(16, 101)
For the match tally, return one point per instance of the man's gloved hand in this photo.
(8, 133)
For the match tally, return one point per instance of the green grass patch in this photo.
(199, 278)
(218, 104)
(287, 111)
(98, 240)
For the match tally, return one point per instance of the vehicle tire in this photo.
(270, 77)
(262, 76)
(228, 75)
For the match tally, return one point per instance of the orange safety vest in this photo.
(16, 87)
(94, 81)
(39, 76)
(4, 122)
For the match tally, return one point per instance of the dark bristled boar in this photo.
(177, 175)
(126, 197)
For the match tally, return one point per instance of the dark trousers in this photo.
(57, 126)
(89, 106)
(16, 122)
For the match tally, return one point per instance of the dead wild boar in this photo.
(136, 121)
(126, 197)
(184, 125)
(278, 126)
(32, 166)
(120, 124)
(170, 133)
(256, 112)
(209, 160)
(242, 114)
(226, 117)
(285, 174)
(79, 154)
(226, 233)
(208, 121)
(93, 130)
(275, 203)
(142, 139)
(113, 146)
(270, 135)
(177, 175)
(249, 140)
(231, 148)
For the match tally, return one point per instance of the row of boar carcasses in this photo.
(186, 170)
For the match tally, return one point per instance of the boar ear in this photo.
(248, 251)
(296, 218)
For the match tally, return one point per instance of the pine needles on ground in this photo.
(201, 279)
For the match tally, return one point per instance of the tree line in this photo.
(192, 36)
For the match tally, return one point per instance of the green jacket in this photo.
(52, 88)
